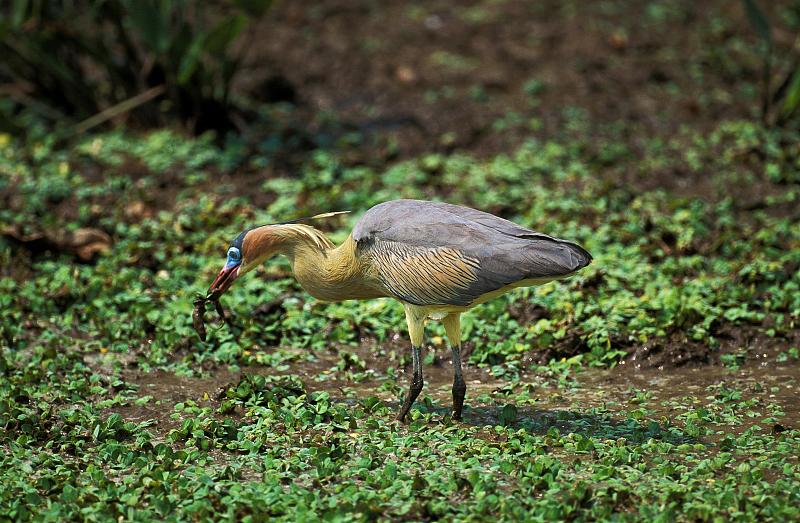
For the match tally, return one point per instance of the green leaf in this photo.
(792, 100)
(190, 60)
(19, 12)
(759, 21)
(69, 494)
(150, 23)
(221, 36)
(508, 415)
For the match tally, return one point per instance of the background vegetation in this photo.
(659, 384)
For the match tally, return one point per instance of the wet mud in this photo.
(596, 402)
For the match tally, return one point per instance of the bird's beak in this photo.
(223, 281)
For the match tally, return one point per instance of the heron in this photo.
(437, 259)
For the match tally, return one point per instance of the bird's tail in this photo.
(554, 258)
(580, 257)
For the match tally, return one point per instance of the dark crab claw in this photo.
(198, 317)
(199, 313)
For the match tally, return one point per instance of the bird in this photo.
(437, 259)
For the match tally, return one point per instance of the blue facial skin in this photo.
(234, 258)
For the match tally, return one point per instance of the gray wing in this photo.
(430, 253)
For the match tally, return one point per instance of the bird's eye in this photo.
(234, 254)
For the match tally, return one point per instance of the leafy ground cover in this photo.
(659, 384)
(112, 407)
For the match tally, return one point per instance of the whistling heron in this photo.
(437, 259)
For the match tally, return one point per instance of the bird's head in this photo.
(246, 251)
(256, 244)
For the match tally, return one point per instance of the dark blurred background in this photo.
(414, 77)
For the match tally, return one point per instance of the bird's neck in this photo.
(325, 271)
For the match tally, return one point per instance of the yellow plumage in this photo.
(438, 260)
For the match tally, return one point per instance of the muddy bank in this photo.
(486, 76)
(591, 401)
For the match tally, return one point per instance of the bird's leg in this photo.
(459, 387)
(416, 383)
(416, 329)
(452, 325)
